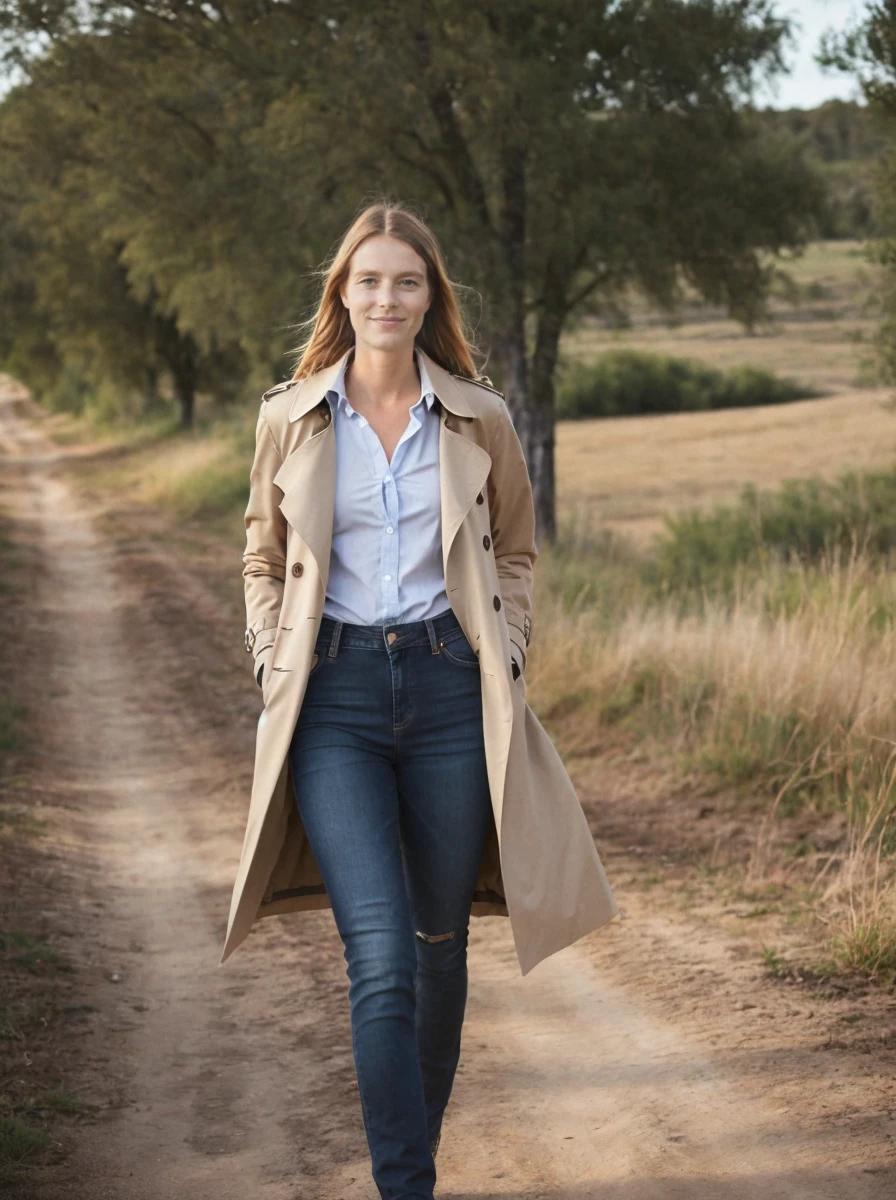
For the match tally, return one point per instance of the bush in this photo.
(804, 519)
(629, 382)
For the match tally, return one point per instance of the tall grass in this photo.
(781, 685)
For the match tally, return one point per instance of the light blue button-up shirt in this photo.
(386, 557)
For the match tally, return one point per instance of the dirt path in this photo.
(651, 1060)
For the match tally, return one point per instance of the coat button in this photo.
(486, 541)
(297, 568)
(497, 603)
(479, 499)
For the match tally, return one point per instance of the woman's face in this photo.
(386, 293)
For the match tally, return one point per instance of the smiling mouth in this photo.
(388, 320)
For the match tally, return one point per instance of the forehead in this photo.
(384, 254)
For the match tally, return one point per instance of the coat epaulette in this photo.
(483, 381)
(280, 387)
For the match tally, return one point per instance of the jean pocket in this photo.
(458, 650)
(317, 658)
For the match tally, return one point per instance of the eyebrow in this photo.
(403, 274)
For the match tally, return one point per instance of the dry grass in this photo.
(793, 702)
(628, 472)
(819, 327)
(798, 706)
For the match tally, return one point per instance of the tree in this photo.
(868, 48)
(565, 150)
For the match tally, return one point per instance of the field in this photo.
(626, 474)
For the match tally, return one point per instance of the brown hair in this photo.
(443, 334)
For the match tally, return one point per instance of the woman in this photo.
(400, 776)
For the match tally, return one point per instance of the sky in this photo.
(807, 84)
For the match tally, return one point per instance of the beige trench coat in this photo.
(540, 867)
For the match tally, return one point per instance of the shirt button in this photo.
(387, 478)
(389, 529)
(387, 577)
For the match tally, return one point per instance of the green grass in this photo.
(61, 1101)
(212, 491)
(20, 1144)
(10, 559)
(31, 953)
(804, 519)
(11, 725)
(869, 949)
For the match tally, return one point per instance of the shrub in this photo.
(629, 382)
(804, 519)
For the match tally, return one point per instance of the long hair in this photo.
(443, 335)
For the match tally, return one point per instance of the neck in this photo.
(381, 377)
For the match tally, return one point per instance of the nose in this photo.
(386, 298)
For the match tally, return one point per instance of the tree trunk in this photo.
(179, 354)
(184, 371)
(530, 399)
(150, 394)
(182, 360)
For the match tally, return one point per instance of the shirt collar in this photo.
(336, 394)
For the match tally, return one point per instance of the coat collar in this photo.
(311, 390)
(307, 475)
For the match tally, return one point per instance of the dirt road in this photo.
(655, 1059)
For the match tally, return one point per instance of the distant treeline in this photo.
(844, 142)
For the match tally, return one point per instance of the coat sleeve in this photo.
(512, 511)
(264, 559)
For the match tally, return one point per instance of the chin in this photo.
(390, 337)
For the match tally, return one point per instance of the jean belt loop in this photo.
(333, 649)
(435, 644)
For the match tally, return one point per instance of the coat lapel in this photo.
(307, 476)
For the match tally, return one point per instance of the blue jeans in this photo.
(388, 762)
